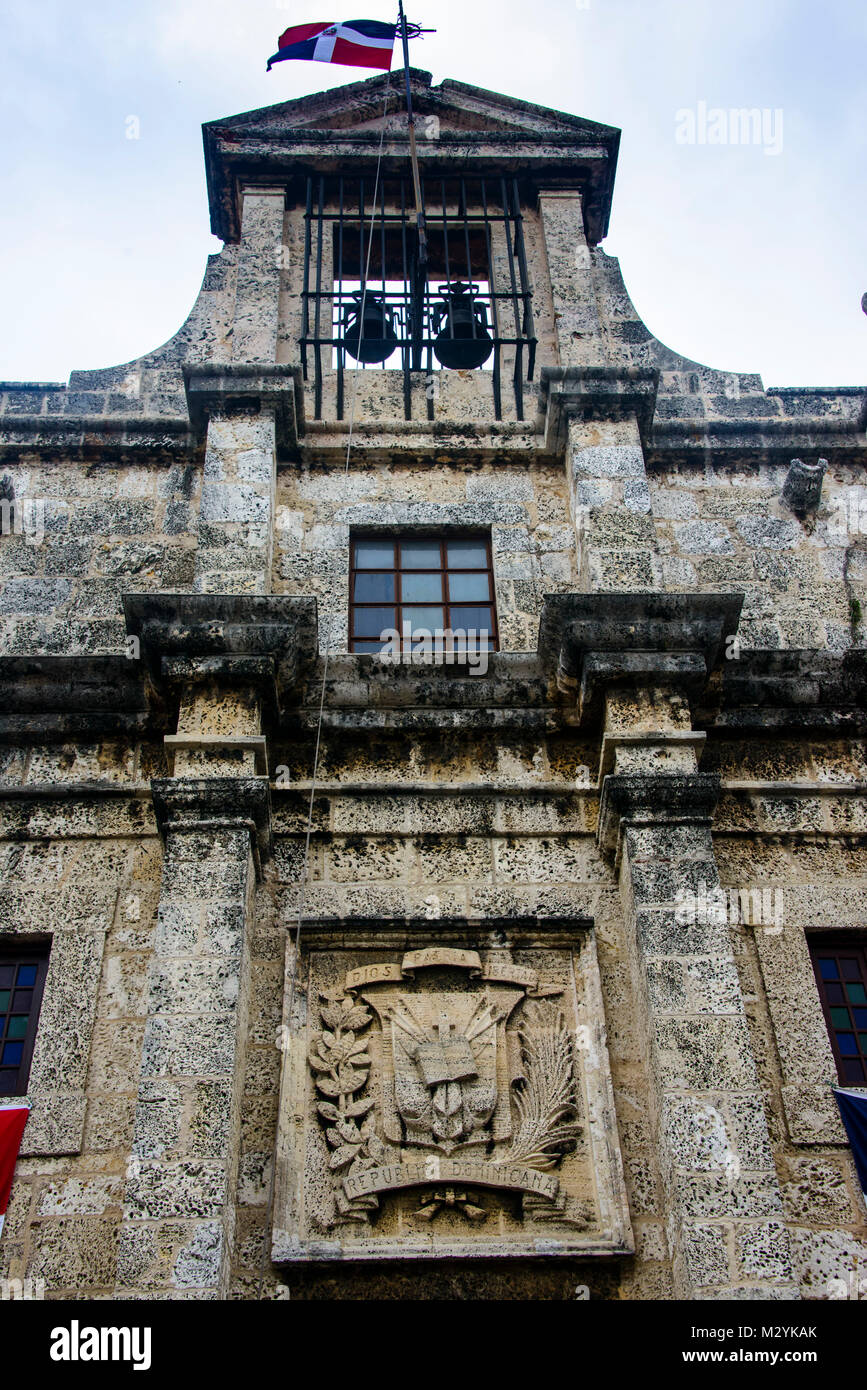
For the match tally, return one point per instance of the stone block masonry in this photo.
(677, 703)
(178, 1218)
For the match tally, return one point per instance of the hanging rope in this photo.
(293, 977)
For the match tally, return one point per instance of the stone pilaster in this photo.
(228, 661)
(610, 501)
(723, 1206)
(605, 411)
(236, 517)
(179, 1214)
(260, 256)
(570, 273)
(599, 417)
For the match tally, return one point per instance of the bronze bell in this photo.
(461, 327)
(372, 339)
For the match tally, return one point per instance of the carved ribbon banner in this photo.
(512, 1177)
(441, 955)
(389, 972)
(372, 975)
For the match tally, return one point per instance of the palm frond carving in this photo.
(546, 1099)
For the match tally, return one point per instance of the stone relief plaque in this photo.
(442, 1099)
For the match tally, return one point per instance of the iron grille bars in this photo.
(474, 229)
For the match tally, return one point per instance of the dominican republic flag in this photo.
(359, 43)
(13, 1118)
(853, 1113)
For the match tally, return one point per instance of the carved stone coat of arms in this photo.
(443, 1099)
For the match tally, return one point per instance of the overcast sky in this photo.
(749, 257)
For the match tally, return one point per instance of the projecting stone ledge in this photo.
(45, 695)
(212, 804)
(639, 799)
(246, 388)
(590, 642)
(795, 688)
(593, 392)
(263, 640)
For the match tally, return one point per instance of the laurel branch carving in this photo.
(341, 1068)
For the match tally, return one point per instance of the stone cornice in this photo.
(562, 394)
(329, 131)
(215, 386)
(390, 933)
(78, 695)
(766, 438)
(83, 695)
(588, 642)
(793, 688)
(97, 436)
(656, 799)
(264, 640)
(588, 393)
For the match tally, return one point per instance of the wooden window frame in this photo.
(839, 946)
(443, 538)
(27, 953)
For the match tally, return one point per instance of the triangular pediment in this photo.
(459, 107)
(342, 128)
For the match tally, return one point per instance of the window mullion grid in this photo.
(446, 603)
(836, 951)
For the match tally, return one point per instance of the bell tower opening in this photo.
(368, 300)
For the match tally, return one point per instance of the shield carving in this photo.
(444, 1064)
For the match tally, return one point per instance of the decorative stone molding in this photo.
(588, 392)
(590, 642)
(446, 1094)
(163, 438)
(795, 688)
(56, 1087)
(670, 742)
(217, 744)
(257, 639)
(639, 799)
(240, 386)
(73, 695)
(801, 1036)
(479, 131)
(215, 803)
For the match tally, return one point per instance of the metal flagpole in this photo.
(419, 212)
(418, 287)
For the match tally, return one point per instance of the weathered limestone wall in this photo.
(147, 1163)
(90, 532)
(84, 873)
(525, 510)
(794, 833)
(714, 529)
(179, 1224)
(724, 527)
(156, 1113)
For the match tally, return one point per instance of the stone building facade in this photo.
(433, 979)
